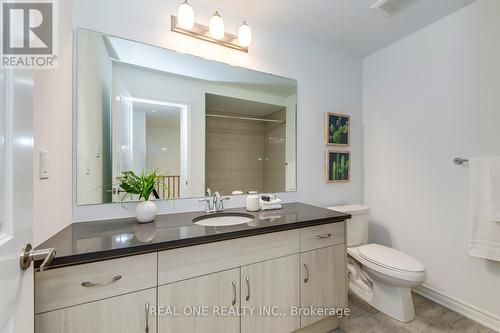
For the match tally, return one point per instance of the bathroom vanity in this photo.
(119, 276)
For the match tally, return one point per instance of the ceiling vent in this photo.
(390, 8)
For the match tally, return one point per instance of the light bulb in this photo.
(216, 26)
(244, 35)
(185, 15)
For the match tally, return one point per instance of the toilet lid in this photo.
(390, 258)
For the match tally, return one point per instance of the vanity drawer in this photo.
(189, 262)
(63, 287)
(321, 236)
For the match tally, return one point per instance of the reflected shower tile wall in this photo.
(234, 155)
(275, 151)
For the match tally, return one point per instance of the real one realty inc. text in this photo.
(242, 311)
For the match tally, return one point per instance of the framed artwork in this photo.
(338, 166)
(337, 129)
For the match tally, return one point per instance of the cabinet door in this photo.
(181, 304)
(122, 314)
(323, 280)
(274, 283)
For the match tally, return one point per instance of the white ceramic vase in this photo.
(146, 211)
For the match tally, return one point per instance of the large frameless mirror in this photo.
(202, 125)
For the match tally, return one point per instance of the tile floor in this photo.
(430, 318)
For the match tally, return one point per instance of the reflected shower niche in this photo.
(245, 145)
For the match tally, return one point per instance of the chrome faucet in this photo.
(214, 203)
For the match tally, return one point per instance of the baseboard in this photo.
(484, 318)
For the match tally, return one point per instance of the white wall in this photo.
(329, 81)
(93, 69)
(52, 131)
(430, 98)
(168, 161)
(139, 151)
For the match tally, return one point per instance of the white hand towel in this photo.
(278, 206)
(484, 187)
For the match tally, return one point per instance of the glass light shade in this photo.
(216, 26)
(244, 35)
(185, 16)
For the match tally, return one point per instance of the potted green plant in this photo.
(142, 185)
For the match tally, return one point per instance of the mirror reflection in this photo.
(203, 126)
(245, 145)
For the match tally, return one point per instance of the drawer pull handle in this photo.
(323, 236)
(87, 284)
(248, 287)
(234, 293)
(306, 266)
(147, 317)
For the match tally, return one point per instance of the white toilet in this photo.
(381, 276)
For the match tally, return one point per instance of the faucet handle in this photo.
(221, 202)
(207, 202)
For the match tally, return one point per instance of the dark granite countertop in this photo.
(93, 241)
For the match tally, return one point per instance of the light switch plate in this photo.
(44, 164)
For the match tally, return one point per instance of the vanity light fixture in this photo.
(184, 23)
(185, 15)
(216, 26)
(244, 35)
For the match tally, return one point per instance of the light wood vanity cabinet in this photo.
(271, 272)
(323, 281)
(73, 285)
(189, 298)
(100, 297)
(121, 314)
(271, 287)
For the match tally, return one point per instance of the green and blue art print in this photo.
(337, 129)
(338, 166)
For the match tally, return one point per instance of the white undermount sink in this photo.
(223, 219)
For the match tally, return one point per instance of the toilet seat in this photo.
(383, 268)
(390, 258)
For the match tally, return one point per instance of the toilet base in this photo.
(393, 301)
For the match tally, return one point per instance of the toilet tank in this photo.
(357, 226)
